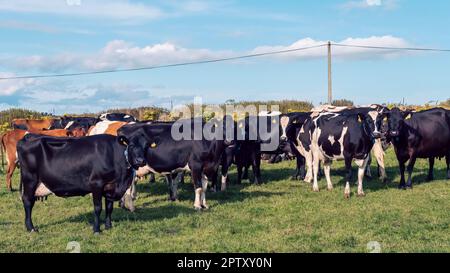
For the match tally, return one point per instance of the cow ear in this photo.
(408, 115)
(123, 140)
(360, 118)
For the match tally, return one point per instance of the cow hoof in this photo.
(401, 187)
(204, 207)
(97, 233)
(34, 230)
(330, 188)
(361, 194)
(347, 195)
(198, 208)
(316, 190)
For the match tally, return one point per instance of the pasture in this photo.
(280, 216)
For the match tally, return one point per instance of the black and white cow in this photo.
(76, 167)
(423, 134)
(337, 136)
(168, 155)
(71, 123)
(117, 117)
(300, 139)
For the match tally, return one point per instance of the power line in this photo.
(162, 66)
(393, 48)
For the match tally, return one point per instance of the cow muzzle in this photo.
(394, 133)
(377, 135)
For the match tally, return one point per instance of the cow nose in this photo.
(394, 133)
(377, 134)
(140, 162)
(283, 138)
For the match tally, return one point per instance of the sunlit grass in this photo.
(279, 216)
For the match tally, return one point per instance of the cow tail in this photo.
(2, 150)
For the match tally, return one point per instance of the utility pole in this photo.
(330, 84)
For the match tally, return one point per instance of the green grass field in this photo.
(279, 216)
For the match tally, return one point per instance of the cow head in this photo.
(396, 121)
(371, 123)
(77, 132)
(136, 144)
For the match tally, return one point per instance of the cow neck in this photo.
(125, 153)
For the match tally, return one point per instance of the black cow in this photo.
(71, 123)
(336, 136)
(117, 117)
(168, 155)
(423, 134)
(75, 167)
(250, 135)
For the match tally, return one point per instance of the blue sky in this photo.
(42, 37)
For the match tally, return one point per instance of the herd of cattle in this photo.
(103, 156)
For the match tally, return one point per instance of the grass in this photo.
(279, 216)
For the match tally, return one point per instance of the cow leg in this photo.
(315, 173)
(172, 185)
(239, 174)
(447, 159)
(9, 173)
(256, 167)
(127, 200)
(300, 168)
(378, 152)
(29, 184)
(326, 170)
(97, 200)
(348, 176)
(362, 164)
(368, 172)
(430, 170)
(402, 184)
(245, 174)
(204, 189)
(410, 169)
(109, 205)
(152, 179)
(198, 187)
(309, 167)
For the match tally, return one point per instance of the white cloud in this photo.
(120, 54)
(115, 9)
(9, 87)
(366, 4)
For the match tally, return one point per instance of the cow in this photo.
(167, 155)
(300, 140)
(71, 123)
(342, 136)
(101, 165)
(117, 117)
(10, 139)
(251, 133)
(423, 134)
(106, 127)
(32, 124)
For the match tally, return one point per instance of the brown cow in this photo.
(106, 127)
(32, 124)
(10, 139)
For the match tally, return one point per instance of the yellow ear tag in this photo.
(295, 121)
(408, 117)
(359, 119)
(153, 145)
(385, 119)
(274, 121)
(241, 125)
